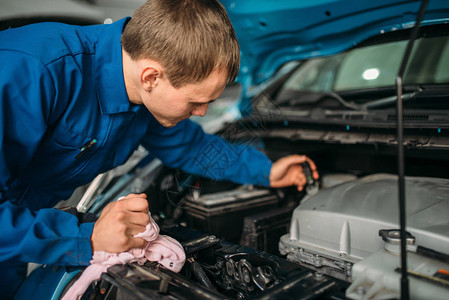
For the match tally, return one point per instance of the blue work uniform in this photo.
(62, 88)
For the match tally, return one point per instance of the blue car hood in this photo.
(273, 32)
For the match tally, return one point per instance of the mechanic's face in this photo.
(171, 105)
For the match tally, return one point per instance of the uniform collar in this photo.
(111, 90)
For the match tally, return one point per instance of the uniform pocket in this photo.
(55, 160)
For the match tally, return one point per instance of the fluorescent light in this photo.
(371, 74)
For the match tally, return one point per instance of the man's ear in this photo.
(150, 76)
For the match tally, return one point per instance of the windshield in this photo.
(371, 67)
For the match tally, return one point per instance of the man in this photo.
(76, 101)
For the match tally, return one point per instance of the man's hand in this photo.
(287, 171)
(119, 222)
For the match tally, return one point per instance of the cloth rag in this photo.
(161, 248)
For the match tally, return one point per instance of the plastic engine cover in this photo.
(341, 224)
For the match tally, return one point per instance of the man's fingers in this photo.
(142, 195)
(302, 180)
(136, 204)
(299, 177)
(133, 229)
(137, 243)
(313, 168)
(138, 218)
(294, 159)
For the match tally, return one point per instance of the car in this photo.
(76, 12)
(23, 12)
(320, 78)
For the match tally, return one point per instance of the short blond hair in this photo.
(189, 38)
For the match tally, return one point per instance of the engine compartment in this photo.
(339, 242)
(250, 242)
(334, 232)
(215, 269)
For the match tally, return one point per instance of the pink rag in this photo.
(161, 248)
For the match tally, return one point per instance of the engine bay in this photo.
(336, 241)
(216, 269)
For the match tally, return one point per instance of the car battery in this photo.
(222, 213)
(262, 231)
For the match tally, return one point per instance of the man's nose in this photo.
(201, 110)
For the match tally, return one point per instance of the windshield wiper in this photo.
(388, 101)
(318, 96)
(382, 102)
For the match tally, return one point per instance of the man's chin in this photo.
(166, 123)
(170, 122)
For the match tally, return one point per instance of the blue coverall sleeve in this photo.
(188, 147)
(46, 236)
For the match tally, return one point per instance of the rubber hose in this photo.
(201, 275)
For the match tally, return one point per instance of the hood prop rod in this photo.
(401, 159)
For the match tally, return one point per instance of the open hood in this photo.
(49, 10)
(272, 33)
